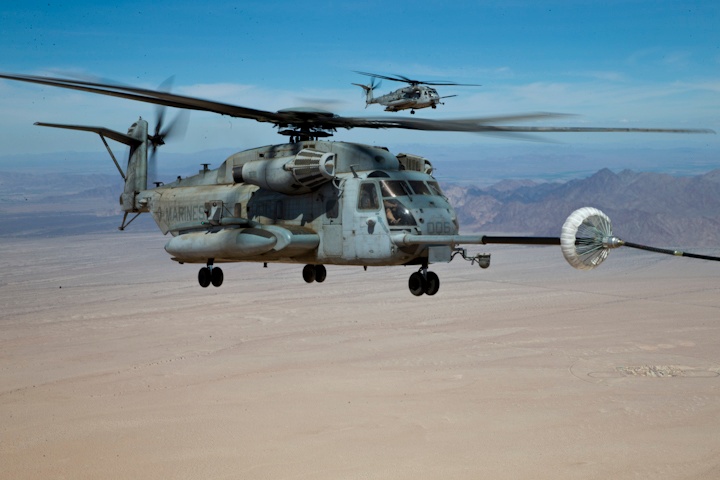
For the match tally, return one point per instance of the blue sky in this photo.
(613, 63)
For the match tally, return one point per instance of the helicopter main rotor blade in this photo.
(597, 129)
(451, 84)
(150, 96)
(404, 79)
(479, 125)
(313, 120)
(320, 119)
(386, 77)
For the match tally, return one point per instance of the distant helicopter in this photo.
(316, 202)
(418, 94)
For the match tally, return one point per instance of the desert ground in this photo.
(114, 363)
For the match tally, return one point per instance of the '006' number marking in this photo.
(440, 228)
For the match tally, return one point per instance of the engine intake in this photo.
(293, 175)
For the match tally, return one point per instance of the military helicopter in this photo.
(315, 202)
(418, 94)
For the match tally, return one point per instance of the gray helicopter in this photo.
(314, 202)
(418, 94)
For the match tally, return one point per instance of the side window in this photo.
(367, 197)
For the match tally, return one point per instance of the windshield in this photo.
(397, 214)
(435, 187)
(420, 188)
(394, 188)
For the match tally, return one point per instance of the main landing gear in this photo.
(314, 273)
(214, 275)
(424, 281)
(210, 274)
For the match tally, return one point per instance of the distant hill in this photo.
(55, 204)
(652, 208)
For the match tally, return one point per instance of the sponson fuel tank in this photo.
(240, 243)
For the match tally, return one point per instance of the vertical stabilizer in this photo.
(137, 168)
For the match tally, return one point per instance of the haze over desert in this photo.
(116, 364)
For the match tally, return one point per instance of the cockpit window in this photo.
(420, 188)
(397, 214)
(367, 197)
(394, 188)
(435, 188)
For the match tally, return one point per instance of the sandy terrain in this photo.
(114, 363)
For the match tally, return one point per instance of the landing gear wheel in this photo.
(417, 284)
(320, 273)
(216, 276)
(204, 277)
(309, 273)
(433, 283)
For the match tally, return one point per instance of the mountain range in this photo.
(645, 207)
(651, 208)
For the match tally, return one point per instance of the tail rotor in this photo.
(369, 89)
(176, 128)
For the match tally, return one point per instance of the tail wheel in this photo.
(417, 284)
(204, 277)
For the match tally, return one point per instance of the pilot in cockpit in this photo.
(391, 212)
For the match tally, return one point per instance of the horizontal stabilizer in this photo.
(105, 132)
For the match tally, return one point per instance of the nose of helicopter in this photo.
(436, 220)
